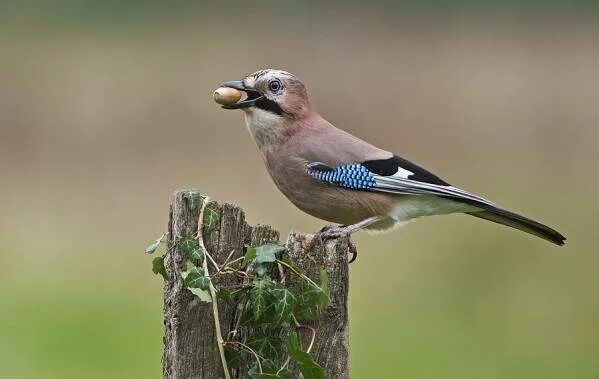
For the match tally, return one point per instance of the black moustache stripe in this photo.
(270, 106)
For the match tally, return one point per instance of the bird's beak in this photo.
(253, 96)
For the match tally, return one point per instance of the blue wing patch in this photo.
(352, 176)
(359, 177)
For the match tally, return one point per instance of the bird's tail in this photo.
(503, 217)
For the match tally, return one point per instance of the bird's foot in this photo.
(329, 232)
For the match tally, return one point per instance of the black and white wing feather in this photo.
(394, 175)
(399, 176)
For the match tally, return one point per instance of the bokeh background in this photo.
(106, 109)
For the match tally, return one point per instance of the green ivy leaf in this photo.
(211, 218)
(284, 301)
(196, 278)
(263, 257)
(192, 249)
(268, 253)
(188, 244)
(158, 267)
(249, 256)
(285, 374)
(234, 357)
(240, 295)
(307, 305)
(197, 254)
(254, 371)
(262, 269)
(204, 295)
(308, 367)
(268, 368)
(311, 300)
(261, 298)
(204, 283)
(268, 346)
(188, 266)
(225, 295)
(293, 343)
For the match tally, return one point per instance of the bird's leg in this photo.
(330, 232)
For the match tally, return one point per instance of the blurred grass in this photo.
(101, 118)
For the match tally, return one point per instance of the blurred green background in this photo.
(105, 109)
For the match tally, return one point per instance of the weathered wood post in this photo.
(191, 346)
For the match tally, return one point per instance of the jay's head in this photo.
(275, 91)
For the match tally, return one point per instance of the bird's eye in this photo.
(274, 85)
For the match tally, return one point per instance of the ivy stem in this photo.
(301, 275)
(231, 270)
(209, 256)
(313, 337)
(281, 273)
(298, 326)
(219, 335)
(284, 364)
(226, 262)
(246, 347)
(234, 260)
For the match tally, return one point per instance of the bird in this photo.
(337, 177)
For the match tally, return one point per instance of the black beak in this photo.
(252, 98)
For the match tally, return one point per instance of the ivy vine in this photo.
(272, 308)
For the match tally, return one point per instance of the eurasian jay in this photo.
(335, 176)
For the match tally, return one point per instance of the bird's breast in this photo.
(323, 200)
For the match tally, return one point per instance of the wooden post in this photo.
(190, 343)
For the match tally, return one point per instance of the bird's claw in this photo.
(353, 251)
(329, 232)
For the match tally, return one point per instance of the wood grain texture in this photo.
(190, 349)
(331, 347)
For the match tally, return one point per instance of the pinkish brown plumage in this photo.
(335, 176)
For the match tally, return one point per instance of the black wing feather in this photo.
(380, 177)
(388, 167)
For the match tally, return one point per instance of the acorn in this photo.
(226, 95)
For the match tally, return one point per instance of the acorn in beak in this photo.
(229, 95)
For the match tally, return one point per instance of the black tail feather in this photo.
(503, 217)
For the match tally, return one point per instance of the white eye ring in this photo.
(274, 85)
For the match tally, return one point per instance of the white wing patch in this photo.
(402, 173)
(357, 176)
(401, 183)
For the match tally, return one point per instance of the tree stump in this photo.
(191, 349)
